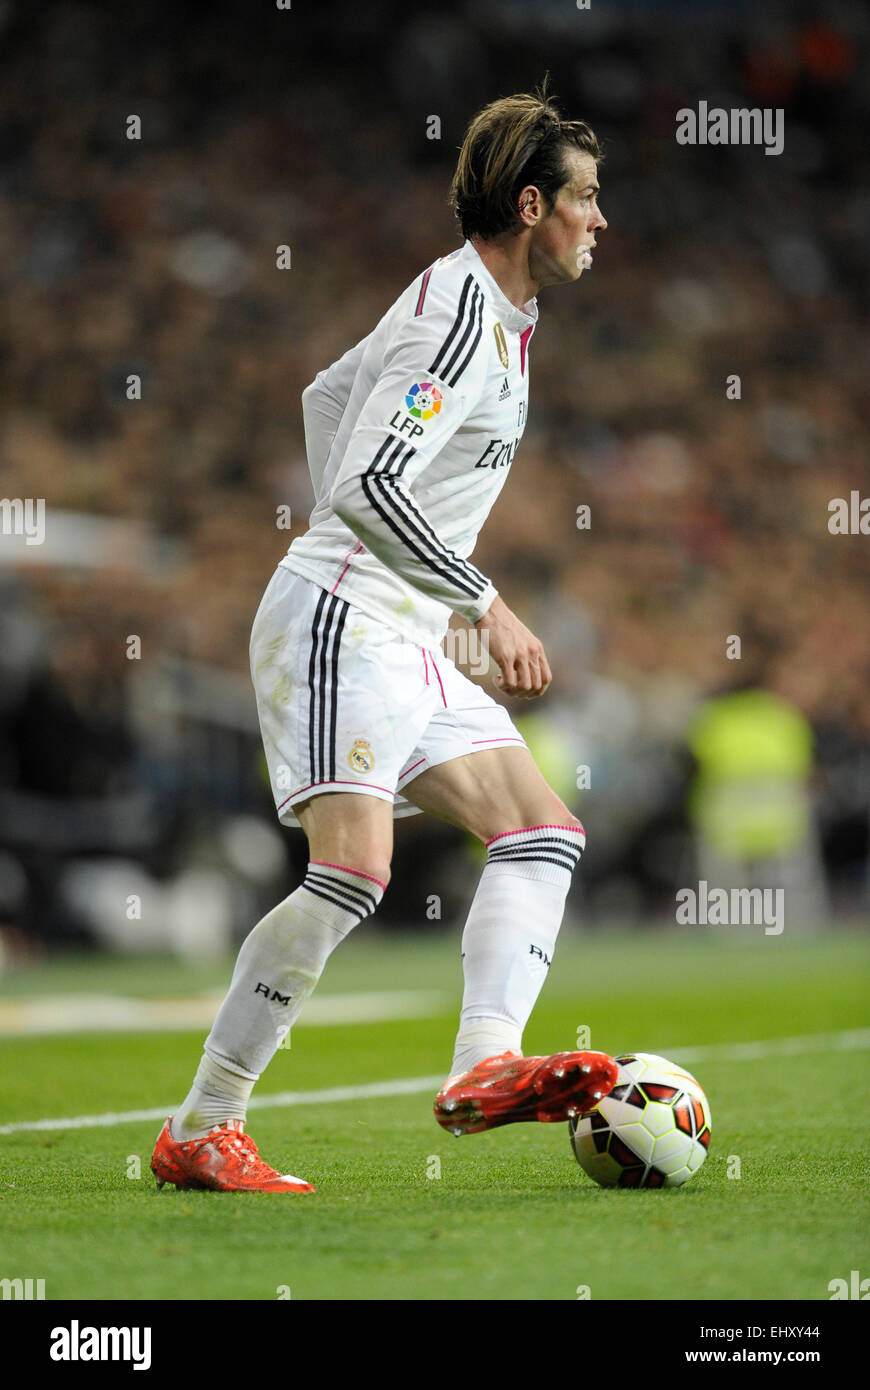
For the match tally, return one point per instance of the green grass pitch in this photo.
(511, 1215)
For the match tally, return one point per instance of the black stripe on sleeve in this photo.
(404, 501)
(397, 509)
(439, 558)
(457, 323)
(473, 349)
(475, 312)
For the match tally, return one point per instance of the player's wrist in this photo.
(493, 613)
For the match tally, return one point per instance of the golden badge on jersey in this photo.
(501, 344)
(361, 758)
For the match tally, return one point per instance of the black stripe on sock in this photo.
(554, 848)
(358, 912)
(539, 858)
(536, 840)
(359, 897)
(559, 846)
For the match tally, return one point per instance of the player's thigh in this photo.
(350, 829)
(489, 792)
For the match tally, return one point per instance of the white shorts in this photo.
(346, 704)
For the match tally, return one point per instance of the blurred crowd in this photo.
(702, 391)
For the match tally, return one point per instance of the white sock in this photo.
(277, 968)
(218, 1094)
(510, 935)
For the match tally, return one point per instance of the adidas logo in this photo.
(505, 390)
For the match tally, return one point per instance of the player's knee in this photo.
(543, 818)
(380, 870)
(371, 866)
(370, 860)
(570, 822)
(540, 834)
(559, 815)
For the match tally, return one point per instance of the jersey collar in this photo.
(508, 314)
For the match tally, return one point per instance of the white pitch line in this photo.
(371, 1090)
(847, 1041)
(67, 1014)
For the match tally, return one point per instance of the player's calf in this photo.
(277, 969)
(510, 936)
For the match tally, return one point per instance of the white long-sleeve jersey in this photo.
(410, 436)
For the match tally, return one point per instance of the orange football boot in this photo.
(225, 1159)
(509, 1088)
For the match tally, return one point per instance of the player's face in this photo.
(560, 245)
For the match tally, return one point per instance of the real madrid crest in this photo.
(361, 758)
(501, 344)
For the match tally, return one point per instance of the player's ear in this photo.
(530, 206)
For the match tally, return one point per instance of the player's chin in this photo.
(563, 272)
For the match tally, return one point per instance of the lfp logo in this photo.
(423, 400)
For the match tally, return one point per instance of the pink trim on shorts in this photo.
(526, 828)
(346, 567)
(507, 739)
(334, 783)
(438, 674)
(425, 664)
(345, 870)
(411, 769)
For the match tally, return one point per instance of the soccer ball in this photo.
(652, 1130)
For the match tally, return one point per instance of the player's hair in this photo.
(511, 143)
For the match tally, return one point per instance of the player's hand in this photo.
(520, 657)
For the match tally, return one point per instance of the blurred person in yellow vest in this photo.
(749, 802)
